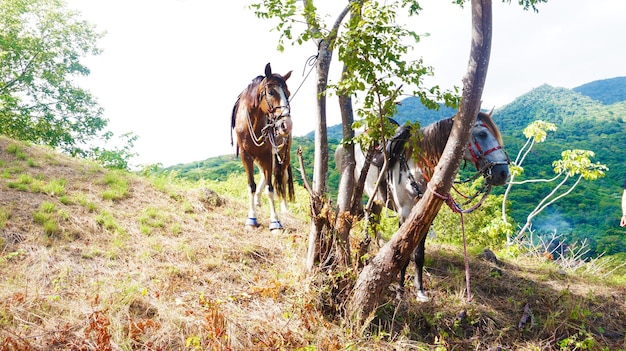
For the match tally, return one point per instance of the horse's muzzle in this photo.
(283, 126)
(498, 174)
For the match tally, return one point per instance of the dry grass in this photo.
(137, 263)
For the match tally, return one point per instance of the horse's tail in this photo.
(283, 183)
(233, 119)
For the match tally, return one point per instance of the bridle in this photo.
(271, 110)
(271, 120)
(479, 155)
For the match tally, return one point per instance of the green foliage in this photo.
(5, 214)
(583, 124)
(526, 4)
(373, 49)
(607, 91)
(55, 187)
(42, 44)
(108, 222)
(117, 158)
(576, 161)
(152, 218)
(483, 226)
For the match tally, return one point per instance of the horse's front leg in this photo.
(248, 166)
(274, 222)
(419, 270)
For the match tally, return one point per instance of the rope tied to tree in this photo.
(456, 208)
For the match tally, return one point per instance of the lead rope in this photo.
(455, 208)
(311, 61)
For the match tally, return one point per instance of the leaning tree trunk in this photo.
(384, 267)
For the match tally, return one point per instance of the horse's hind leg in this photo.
(419, 269)
(261, 186)
(400, 292)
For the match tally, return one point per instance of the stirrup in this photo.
(275, 225)
(251, 221)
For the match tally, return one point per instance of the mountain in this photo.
(410, 109)
(592, 210)
(607, 91)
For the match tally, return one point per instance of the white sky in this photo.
(172, 69)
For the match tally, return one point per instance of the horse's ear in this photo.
(286, 76)
(491, 112)
(268, 70)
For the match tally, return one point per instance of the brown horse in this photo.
(262, 122)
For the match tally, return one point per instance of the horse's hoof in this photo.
(422, 297)
(251, 222)
(275, 225)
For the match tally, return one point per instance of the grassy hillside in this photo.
(92, 259)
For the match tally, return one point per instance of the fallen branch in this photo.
(305, 180)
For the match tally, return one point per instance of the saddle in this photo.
(394, 149)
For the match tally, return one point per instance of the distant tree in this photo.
(41, 47)
(573, 163)
(536, 132)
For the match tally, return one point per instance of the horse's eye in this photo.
(271, 92)
(482, 134)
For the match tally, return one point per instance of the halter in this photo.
(269, 130)
(476, 156)
(271, 110)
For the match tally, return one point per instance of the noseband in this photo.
(480, 154)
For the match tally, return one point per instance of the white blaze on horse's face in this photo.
(486, 153)
(278, 101)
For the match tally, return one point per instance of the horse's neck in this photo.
(257, 118)
(432, 143)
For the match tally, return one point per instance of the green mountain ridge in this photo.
(607, 91)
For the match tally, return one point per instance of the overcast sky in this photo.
(172, 69)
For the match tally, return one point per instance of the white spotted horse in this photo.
(261, 120)
(408, 176)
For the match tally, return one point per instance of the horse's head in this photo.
(274, 100)
(486, 152)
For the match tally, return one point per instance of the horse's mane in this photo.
(486, 118)
(249, 97)
(433, 139)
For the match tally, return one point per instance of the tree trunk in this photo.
(320, 171)
(321, 152)
(384, 267)
(345, 217)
